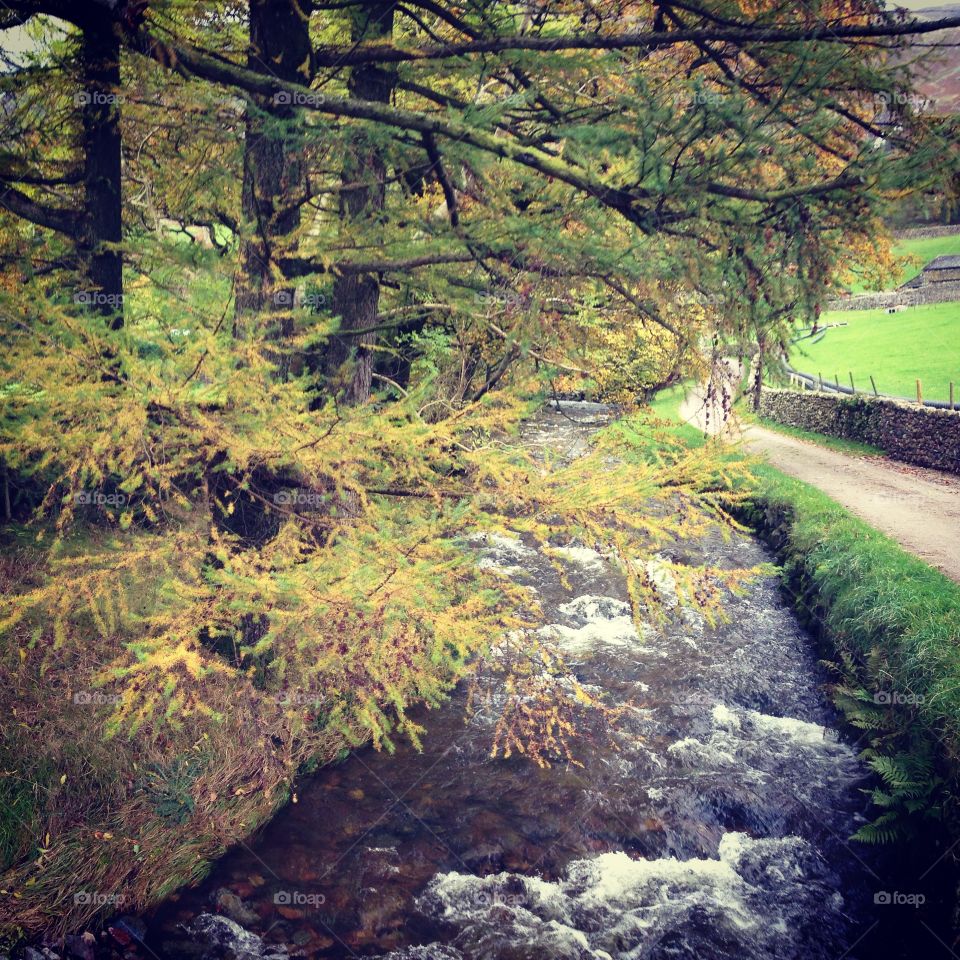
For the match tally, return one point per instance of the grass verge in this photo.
(890, 625)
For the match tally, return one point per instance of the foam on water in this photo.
(748, 901)
(597, 621)
(735, 732)
(585, 557)
(501, 553)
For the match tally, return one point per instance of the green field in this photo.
(895, 348)
(925, 249)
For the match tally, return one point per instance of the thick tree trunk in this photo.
(272, 163)
(356, 298)
(102, 220)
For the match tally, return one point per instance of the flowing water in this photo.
(712, 823)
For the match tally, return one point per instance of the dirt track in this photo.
(918, 508)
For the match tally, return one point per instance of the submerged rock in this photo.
(81, 947)
(230, 905)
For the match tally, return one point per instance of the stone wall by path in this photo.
(924, 436)
(908, 297)
(911, 233)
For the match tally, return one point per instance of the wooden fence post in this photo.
(872, 384)
(852, 387)
(919, 391)
(951, 394)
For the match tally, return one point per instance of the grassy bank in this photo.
(890, 625)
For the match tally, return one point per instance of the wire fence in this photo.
(807, 381)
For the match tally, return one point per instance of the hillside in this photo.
(939, 79)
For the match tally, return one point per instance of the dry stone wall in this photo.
(911, 233)
(908, 297)
(924, 436)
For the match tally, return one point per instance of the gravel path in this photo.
(918, 508)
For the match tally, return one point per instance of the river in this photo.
(711, 822)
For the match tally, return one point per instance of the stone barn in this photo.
(944, 269)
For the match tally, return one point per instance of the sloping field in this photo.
(894, 348)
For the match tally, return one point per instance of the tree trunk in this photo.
(356, 298)
(102, 221)
(272, 165)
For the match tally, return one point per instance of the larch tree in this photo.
(356, 243)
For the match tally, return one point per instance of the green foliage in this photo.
(251, 485)
(894, 622)
(219, 552)
(169, 787)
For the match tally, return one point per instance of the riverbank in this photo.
(893, 624)
(889, 622)
(102, 820)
